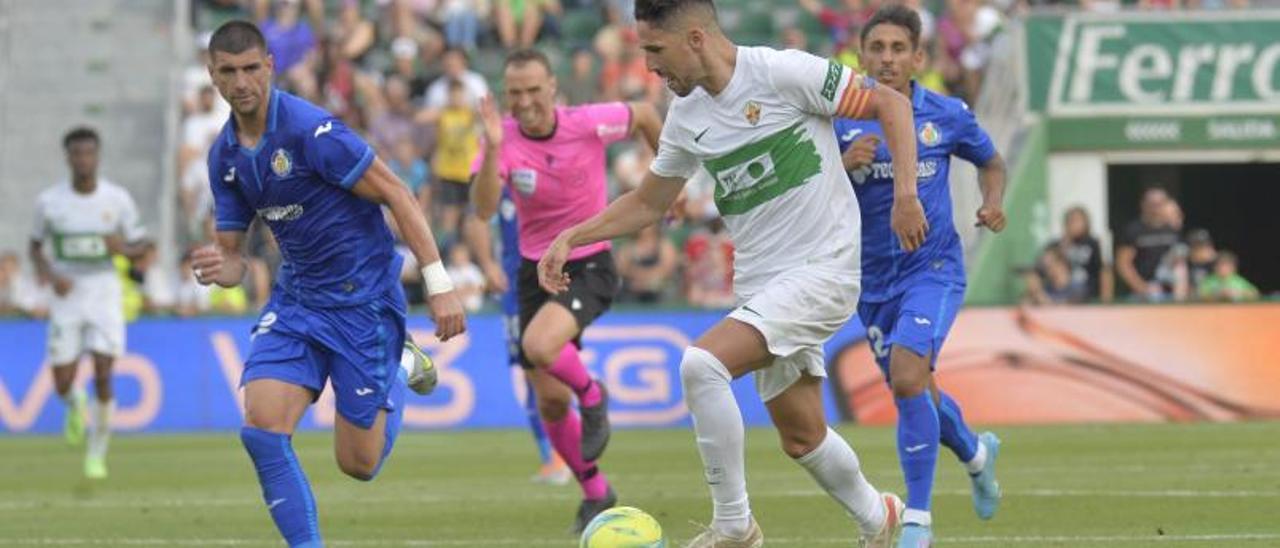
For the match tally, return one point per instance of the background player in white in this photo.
(759, 121)
(86, 220)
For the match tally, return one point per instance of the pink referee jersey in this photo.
(559, 181)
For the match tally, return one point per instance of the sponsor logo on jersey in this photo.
(752, 112)
(230, 177)
(525, 181)
(281, 163)
(289, 212)
(929, 134)
(925, 169)
(832, 81)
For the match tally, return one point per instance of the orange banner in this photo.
(1093, 364)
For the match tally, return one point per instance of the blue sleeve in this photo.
(841, 126)
(336, 154)
(231, 212)
(972, 142)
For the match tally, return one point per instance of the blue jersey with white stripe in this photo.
(337, 249)
(944, 127)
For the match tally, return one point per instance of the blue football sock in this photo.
(535, 423)
(395, 417)
(284, 487)
(955, 433)
(918, 447)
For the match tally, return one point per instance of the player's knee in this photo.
(799, 442)
(102, 386)
(358, 466)
(553, 407)
(699, 367)
(538, 352)
(909, 386)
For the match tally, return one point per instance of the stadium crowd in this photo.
(409, 74)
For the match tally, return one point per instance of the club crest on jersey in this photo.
(281, 163)
(752, 112)
(929, 134)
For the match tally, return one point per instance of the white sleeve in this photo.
(38, 219)
(130, 225)
(819, 86)
(672, 160)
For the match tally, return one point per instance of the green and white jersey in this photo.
(74, 226)
(768, 143)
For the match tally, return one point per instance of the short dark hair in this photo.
(660, 12)
(895, 14)
(237, 37)
(528, 55)
(82, 133)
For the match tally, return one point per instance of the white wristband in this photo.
(436, 278)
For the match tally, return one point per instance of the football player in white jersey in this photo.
(760, 122)
(86, 221)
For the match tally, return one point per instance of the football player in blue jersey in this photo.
(911, 293)
(337, 311)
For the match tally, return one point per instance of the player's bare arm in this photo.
(893, 111)
(381, 186)
(486, 189)
(221, 262)
(626, 215)
(645, 123)
(477, 236)
(991, 178)
(117, 245)
(44, 270)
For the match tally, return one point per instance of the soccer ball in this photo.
(623, 527)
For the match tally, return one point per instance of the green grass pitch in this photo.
(1150, 485)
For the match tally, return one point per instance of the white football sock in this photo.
(978, 461)
(835, 467)
(101, 434)
(717, 423)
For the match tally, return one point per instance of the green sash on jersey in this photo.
(761, 171)
(80, 247)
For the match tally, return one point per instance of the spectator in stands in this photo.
(843, 24)
(292, 44)
(412, 169)
(581, 86)
(646, 266)
(457, 144)
(793, 37)
(454, 62)
(461, 23)
(21, 291)
(1201, 257)
(520, 23)
(1083, 254)
(467, 278)
(708, 257)
(1052, 282)
(1226, 283)
(10, 270)
(1143, 244)
(354, 35)
(391, 115)
(964, 33)
(199, 130)
(624, 75)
